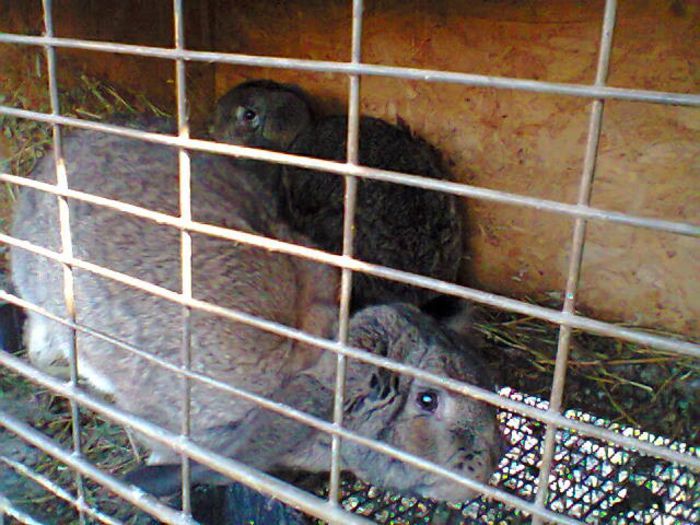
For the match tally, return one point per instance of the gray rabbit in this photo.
(258, 113)
(449, 429)
(423, 419)
(273, 286)
(395, 225)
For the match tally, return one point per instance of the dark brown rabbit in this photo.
(395, 225)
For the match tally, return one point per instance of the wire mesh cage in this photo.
(592, 481)
(563, 465)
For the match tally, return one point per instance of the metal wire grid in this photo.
(592, 480)
(576, 254)
(328, 510)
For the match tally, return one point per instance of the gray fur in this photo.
(273, 286)
(461, 434)
(277, 287)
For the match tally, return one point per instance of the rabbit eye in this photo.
(427, 400)
(246, 115)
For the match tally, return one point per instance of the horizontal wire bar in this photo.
(348, 68)
(454, 188)
(131, 494)
(456, 386)
(7, 507)
(548, 314)
(58, 491)
(237, 470)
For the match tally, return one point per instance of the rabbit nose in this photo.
(465, 436)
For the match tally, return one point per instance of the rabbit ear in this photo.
(383, 386)
(452, 312)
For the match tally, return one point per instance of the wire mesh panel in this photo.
(564, 466)
(592, 480)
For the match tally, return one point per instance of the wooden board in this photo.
(526, 143)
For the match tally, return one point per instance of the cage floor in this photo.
(592, 481)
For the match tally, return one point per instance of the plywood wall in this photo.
(140, 22)
(525, 143)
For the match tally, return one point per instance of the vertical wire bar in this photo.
(15, 514)
(66, 243)
(185, 244)
(348, 241)
(576, 255)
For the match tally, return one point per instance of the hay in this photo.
(649, 389)
(103, 443)
(90, 99)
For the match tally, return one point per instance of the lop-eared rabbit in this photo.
(413, 415)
